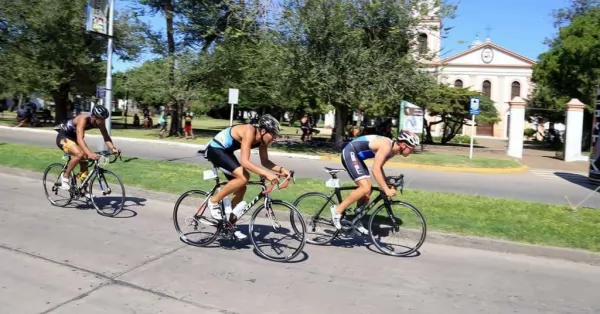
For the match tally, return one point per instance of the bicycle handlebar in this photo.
(281, 185)
(396, 182)
(106, 153)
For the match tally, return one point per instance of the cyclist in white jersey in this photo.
(380, 148)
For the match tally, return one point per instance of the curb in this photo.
(471, 242)
(521, 169)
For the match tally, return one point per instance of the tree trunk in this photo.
(61, 100)
(341, 119)
(427, 127)
(176, 113)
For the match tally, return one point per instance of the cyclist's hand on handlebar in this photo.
(390, 192)
(115, 151)
(271, 177)
(284, 172)
(93, 156)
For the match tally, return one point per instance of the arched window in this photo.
(458, 83)
(486, 89)
(515, 89)
(423, 44)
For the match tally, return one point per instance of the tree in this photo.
(352, 54)
(45, 48)
(570, 69)
(452, 105)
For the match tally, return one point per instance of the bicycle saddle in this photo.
(333, 170)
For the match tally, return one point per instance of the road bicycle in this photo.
(387, 219)
(97, 174)
(199, 219)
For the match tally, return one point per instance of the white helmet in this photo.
(409, 138)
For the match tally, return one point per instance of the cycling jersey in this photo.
(223, 140)
(220, 152)
(362, 148)
(67, 133)
(69, 129)
(355, 152)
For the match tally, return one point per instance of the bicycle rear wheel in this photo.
(52, 183)
(111, 192)
(399, 219)
(317, 215)
(189, 211)
(260, 228)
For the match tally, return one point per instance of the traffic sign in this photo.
(474, 107)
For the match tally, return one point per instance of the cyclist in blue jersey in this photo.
(243, 137)
(380, 148)
(70, 140)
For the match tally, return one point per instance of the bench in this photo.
(44, 115)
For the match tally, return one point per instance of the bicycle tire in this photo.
(311, 223)
(415, 210)
(98, 176)
(44, 180)
(182, 235)
(255, 241)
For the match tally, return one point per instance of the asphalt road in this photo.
(523, 186)
(71, 260)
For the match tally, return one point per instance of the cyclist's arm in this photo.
(246, 147)
(265, 161)
(107, 138)
(383, 150)
(81, 122)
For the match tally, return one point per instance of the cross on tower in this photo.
(488, 29)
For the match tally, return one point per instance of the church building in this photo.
(496, 72)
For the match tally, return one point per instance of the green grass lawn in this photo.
(513, 220)
(455, 160)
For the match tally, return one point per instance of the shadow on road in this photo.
(113, 202)
(272, 247)
(577, 179)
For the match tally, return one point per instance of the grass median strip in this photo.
(506, 219)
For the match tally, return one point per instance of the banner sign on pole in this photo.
(594, 168)
(100, 92)
(97, 16)
(474, 107)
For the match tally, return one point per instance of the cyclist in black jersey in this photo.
(70, 140)
(243, 137)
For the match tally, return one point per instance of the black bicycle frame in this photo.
(260, 195)
(368, 207)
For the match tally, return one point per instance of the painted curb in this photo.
(442, 168)
(433, 237)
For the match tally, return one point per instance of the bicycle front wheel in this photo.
(397, 220)
(109, 200)
(317, 214)
(52, 186)
(276, 223)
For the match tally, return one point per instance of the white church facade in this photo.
(496, 72)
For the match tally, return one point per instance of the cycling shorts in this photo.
(64, 141)
(357, 170)
(223, 160)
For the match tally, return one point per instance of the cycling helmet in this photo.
(100, 111)
(269, 123)
(409, 138)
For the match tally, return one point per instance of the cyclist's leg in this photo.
(236, 175)
(70, 147)
(358, 171)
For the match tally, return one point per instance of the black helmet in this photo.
(100, 111)
(269, 123)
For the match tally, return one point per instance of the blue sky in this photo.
(517, 25)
